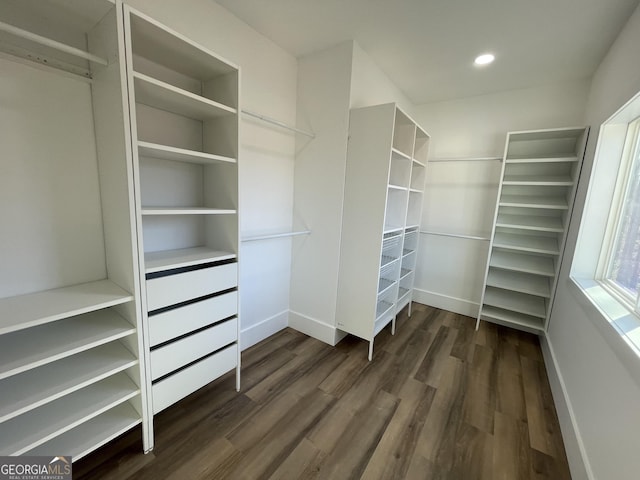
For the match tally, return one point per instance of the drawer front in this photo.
(172, 289)
(181, 384)
(179, 321)
(166, 359)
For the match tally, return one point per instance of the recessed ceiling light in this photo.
(484, 59)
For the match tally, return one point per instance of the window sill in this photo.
(619, 326)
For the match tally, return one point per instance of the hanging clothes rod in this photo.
(278, 123)
(47, 42)
(276, 235)
(465, 159)
(456, 235)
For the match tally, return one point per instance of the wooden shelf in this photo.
(541, 159)
(542, 180)
(39, 386)
(515, 301)
(165, 152)
(395, 153)
(23, 37)
(519, 282)
(521, 262)
(392, 229)
(175, 51)
(19, 352)
(512, 319)
(85, 438)
(186, 257)
(530, 222)
(186, 211)
(551, 203)
(23, 433)
(24, 311)
(526, 243)
(158, 94)
(418, 162)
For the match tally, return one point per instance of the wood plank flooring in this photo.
(438, 401)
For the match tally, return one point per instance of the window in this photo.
(620, 257)
(606, 262)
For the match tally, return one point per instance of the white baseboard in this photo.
(445, 302)
(576, 453)
(261, 330)
(314, 328)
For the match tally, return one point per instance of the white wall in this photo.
(330, 82)
(371, 86)
(268, 86)
(324, 80)
(460, 197)
(599, 411)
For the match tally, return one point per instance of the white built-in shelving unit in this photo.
(386, 166)
(72, 371)
(535, 199)
(184, 103)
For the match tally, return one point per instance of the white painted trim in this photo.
(574, 446)
(259, 331)
(314, 328)
(445, 302)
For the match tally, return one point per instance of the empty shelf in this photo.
(508, 318)
(521, 262)
(383, 307)
(555, 203)
(186, 257)
(519, 282)
(85, 438)
(186, 211)
(165, 152)
(29, 390)
(537, 180)
(384, 284)
(39, 308)
(405, 272)
(26, 349)
(158, 94)
(397, 187)
(407, 251)
(392, 229)
(386, 260)
(516, 302)
(530, 222)
(23, 433)
(541, 159)
(395, 153)
(526, 243)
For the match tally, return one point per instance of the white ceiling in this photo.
(427, 47)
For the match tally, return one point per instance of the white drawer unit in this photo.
(175, 355)
(187, 381)
(182, 320)
(180, 287)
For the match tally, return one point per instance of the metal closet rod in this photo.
(278, 123)
(456, 235)
(276, 235)
(465, 159)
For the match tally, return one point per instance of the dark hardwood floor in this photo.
(438, 401)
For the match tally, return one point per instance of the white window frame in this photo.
(614, 315)
(612, 230)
